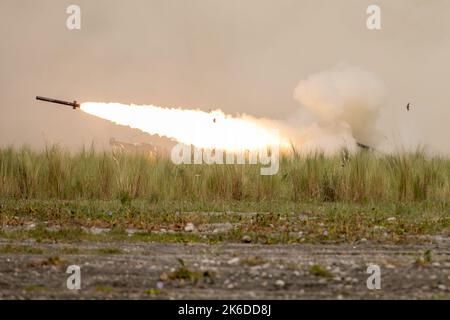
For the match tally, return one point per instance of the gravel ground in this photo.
(225, 271)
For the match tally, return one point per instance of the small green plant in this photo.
(52, 261)
(21, 249)
(152, 291)
(125, 198)
(425, 259)
(182, 272)
(110, 251)
(319, 271)
(253, 261)
(104, 289)
(35, 287)
(69, 250)
(185, 274)
(428, 255)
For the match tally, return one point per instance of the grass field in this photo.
(361, 178)
(142, 227)
(316, 198)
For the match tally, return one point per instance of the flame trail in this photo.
(199, 128)
(340, 107)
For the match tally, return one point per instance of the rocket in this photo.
(75, 105)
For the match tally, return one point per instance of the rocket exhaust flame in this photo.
(214, 130)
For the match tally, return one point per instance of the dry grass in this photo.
(58, 174)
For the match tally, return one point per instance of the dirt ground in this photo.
(224, 271)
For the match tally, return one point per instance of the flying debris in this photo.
(75, 105)
(363, 146)
(214, 115)
(408, 106)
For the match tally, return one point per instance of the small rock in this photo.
(189, 227)
(302, 217)
(436, 264)
(164, 277)
(132, 231)
(95, 230)
(162, 230)
(222, 227)
(31, 226)
(325, 233)
(442, 287)
(336, 270)
(391, 219)
(246, 239)
(254, 271)
(159, 285)
(208, 261)
(233, 261)
(230, 286)
(280, 283)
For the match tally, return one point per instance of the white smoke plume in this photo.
(340, 107)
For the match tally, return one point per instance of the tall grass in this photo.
(87, 174)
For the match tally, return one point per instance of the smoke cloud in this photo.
(340, 107)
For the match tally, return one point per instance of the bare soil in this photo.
(31, 270)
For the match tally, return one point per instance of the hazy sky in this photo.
(240, 56)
